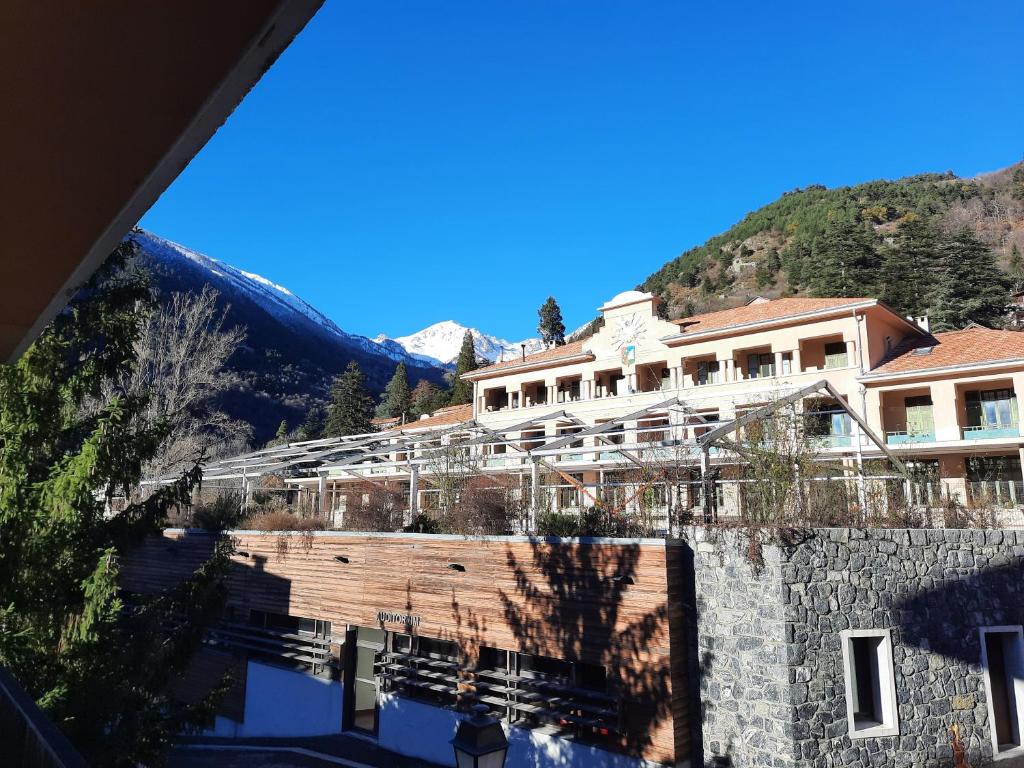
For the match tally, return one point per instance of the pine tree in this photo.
(282, 432)
(462, 391)
(99, 667)
(844, 261)
(397, 398)
(1016, 265)
(971, 287)
(313, 427)
(551, 327)
(351, 408)
(908, 274)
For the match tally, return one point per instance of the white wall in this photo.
(283, 703)
(419, 730)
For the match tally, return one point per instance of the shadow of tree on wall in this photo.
(575, 613)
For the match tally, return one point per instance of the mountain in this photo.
(439, 344)
(292, 350)
(785, 247)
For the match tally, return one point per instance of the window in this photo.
(992, 409)
(1002, 656)
(760, 366)
(835, 355)
(919, 415)
(708, 372)
(870, 683)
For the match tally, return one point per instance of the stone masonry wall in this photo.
(776, 654)
(747, 718)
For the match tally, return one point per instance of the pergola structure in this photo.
(657, 443)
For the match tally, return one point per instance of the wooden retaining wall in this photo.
(614, 602)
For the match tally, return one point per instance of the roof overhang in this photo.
(969, 368)
(677, 339)
(106, 104)
(527, 365)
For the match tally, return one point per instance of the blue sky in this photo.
(409, 162)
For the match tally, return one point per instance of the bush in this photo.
(222, 513)
(280, 520)
(593, 521)
(423, 524)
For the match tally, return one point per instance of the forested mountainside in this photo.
(922, 243)
(291, 351)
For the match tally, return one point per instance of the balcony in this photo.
(990, 431)
(902, 437)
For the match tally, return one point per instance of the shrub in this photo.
(423, 524)
(218, 515)
(281, 520)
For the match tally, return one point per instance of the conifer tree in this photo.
(908, 268)
(844, 261)
(282, 432)
(462, 391)
(1016, 265)
(99, 669)
(351, 408)
(313, 427)
(971, 287)
(551, 327)
(397, 399)
(427, 398)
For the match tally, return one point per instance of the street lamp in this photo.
(480, 741)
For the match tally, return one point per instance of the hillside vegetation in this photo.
(930, 244)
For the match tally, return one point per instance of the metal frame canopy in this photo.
(410, 451)
(107, 104)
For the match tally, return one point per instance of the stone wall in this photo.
(772, 683)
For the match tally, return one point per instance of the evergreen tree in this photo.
(971, 287)
(908, 274)
(397, 398)
(313, 427)
(551, 327)
(1016, 265)
(427, 398)
(351, 408)
(844, 261)
(282, 432)
(462, 391)
(99, 667)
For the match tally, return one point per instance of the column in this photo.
(414, 495)
(321, 494)
(535, 491)
(729, 374)
(796, 359)
(1018, 389)
(682, 378)
(508, 399)
(778, 363)
(673, 378)
(945, 412)
(851, 353)
(631, 383)
(585, 386)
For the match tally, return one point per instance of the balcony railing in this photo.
(899, 437)
(27, 737)
(988, 432)
(833, 441)
(1006, 493)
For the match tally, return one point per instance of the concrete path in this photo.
(320, 752)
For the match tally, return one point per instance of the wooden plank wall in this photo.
(605, 603)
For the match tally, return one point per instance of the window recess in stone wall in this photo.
(1002, 656)
(869, 677)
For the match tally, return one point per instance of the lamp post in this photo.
(480, 741)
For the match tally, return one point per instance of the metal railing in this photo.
(27, 737)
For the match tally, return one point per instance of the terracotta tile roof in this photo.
(966, 347)
(442, 417)
(385, 422)
(760, 312)
(571, 349)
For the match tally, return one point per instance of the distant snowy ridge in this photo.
(275, 299)
(440, 344)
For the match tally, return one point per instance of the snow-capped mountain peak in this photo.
(442, 341)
